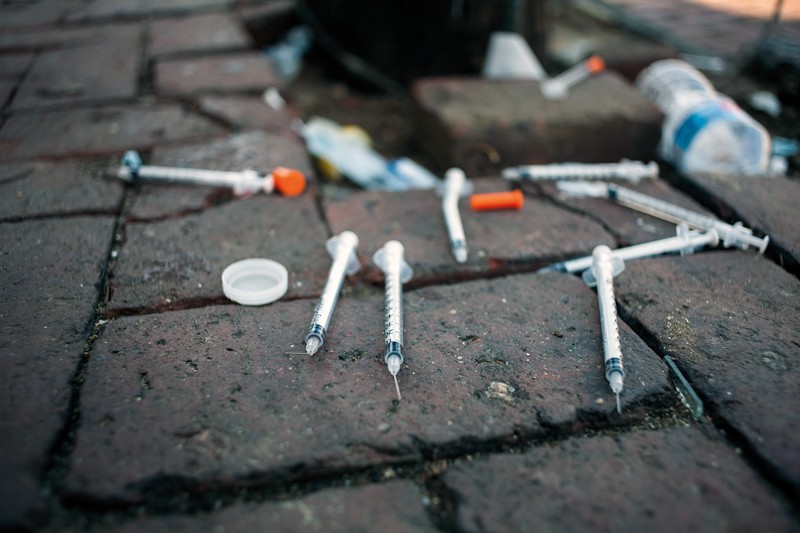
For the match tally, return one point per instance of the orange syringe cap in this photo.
(497, 200)
(595, 64)
(288, 181)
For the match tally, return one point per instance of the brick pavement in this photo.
(137, 397)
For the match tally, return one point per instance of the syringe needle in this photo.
(619, 409)
(397, 386)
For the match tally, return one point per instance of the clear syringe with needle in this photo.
(731, 235)
(342, 249)
(601, 274)
(686, 242)
(390, 260)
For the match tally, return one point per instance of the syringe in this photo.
(342, 249)
(632, 171)
(558, 87)
(454, 186)
(686, 242)
(731, 235)
(601, 274)
(287, 181)
(390, 260)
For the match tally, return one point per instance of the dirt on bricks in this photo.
(137, 396)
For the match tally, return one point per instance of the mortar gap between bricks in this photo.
(771, 474)
(57, 464)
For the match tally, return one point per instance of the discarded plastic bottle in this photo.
(703, 131)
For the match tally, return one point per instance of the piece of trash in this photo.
(390, 260)
(342, 248)
(492, 201)
(272, 97)
(767, 102)
(632, 171)
(455, 183)
(288, 54)
(557, 88)
(685, 391)
(287, 181)
(500, 391)
(605, 267)
(703, 131)
(255, 281)
(346, 151)
(705, 62)
(784, 147)
(731, 235)
(510, 58)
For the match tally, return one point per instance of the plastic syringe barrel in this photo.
(731, 235)
(390, 260)
(627, 170)
(246, 179)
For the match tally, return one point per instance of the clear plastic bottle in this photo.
(703, 131)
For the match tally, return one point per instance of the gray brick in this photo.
(35, 189)
(12, 66)
(673, 479)
(108, 71)
(105, 9)
(14, 17)
(163, 264)
(223, 401)
(108, 130)
(731, 322)
(242, 72)
(498, 241)
(604, 119)
(395, 505)
(247, 113)
(49, 271)
(213, 32)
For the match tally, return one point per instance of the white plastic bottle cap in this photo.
(255, 281)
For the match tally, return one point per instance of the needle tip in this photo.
(397, 386)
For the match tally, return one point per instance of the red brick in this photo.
(498, 241)
(253, 150)
(142, 8)
(731, 320)
(197, 34)
(224, 402)
(484, 126)
(165, 264)
(395, 505)
(247, 113)
(673, 479)
(108, 71)
(50, 270)
(244, 72)
(99, 131)
(36, 189)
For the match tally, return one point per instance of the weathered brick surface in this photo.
(213, 32)
(246, 112)
(769, 206)
(166, 263)
(103, 9)
(673, 479)
(18, 16)
(254, 150)
(6, 88)
(35, 189)
(242, 72)
(603, 119)
(43, 38)
(12, 66)
(628, 226)
(393, 506)
(268, 21)
(223, 401)
(49, 271)
(109, 130)
(107, 71)
(732, 322)
(498, 240)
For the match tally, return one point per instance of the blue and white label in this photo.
(698, 119)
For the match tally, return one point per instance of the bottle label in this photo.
(699, 119)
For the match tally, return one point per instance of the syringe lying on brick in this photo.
(287, 181)
(730, 234)
(632, 171)
(686, 242)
